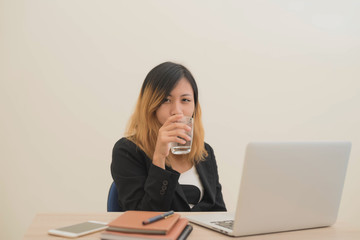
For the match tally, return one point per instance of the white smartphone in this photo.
(78, 230)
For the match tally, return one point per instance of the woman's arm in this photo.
(141, 185)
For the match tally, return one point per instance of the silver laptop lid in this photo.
(290, 185)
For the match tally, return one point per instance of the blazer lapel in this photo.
(205, 180)
(181, 193)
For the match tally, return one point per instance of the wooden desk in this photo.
(45, 221)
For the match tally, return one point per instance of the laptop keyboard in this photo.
(226, 224)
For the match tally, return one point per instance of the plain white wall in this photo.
(71, 71)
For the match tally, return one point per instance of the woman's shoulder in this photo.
(209, 162)
(126, 144)
(208, 148)
(125, 148)
(210, 157)
(124, 141)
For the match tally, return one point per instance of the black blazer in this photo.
(143, 186)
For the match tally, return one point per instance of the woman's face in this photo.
(180, 101)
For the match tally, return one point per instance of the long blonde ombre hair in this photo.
(144, 126)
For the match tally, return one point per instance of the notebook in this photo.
(180, 230)
(285, 186)
(132, 221)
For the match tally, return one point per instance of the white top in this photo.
(190, 181)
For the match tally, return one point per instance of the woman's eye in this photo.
(186, 100)
(166, 100)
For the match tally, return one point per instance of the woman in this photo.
(147, 175)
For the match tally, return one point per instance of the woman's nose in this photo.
(176, 109)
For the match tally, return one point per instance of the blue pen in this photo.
(159, 217)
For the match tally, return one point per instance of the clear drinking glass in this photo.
(178, 148)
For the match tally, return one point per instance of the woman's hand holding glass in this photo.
(171, 131)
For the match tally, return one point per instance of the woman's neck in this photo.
(180, 163)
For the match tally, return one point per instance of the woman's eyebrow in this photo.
(186, 94)
(183, 95)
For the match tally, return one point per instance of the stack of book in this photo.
(130, 225)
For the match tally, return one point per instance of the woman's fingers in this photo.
(179, 133)
(175, 130)
(173, 119)
(176, 139)
(174, 126)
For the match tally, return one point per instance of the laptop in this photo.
(285, 186)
